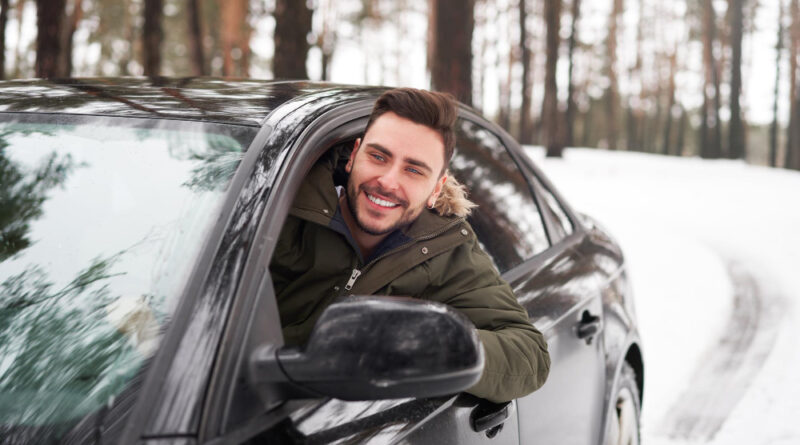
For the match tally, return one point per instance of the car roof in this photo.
(242, 102)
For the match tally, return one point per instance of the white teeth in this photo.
(381, 202)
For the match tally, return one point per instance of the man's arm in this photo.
(517, 361)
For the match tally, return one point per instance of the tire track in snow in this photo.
(731, 364)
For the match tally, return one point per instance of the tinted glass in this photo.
(507, 220)
(563, 224)
(101, 224)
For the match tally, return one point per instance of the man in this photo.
(396, 226)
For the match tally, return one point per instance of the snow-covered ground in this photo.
(693, 232)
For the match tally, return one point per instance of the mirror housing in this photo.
(371, 348)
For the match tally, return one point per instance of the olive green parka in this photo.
(437, 258)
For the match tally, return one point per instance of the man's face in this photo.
(394, 174)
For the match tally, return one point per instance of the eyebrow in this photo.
(412, 161)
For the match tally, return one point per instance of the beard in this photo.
(408, 216)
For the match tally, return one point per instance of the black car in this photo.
(137, 220)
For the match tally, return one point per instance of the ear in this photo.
(349, 165)
(437, 190)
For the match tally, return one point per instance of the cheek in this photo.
(422, 191)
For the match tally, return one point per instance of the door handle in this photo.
(488, 415)
(589, 326)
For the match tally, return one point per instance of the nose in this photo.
(389, 179)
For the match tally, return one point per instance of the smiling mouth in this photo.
(381, 202)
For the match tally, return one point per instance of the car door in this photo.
(236, 414)
(556, 285)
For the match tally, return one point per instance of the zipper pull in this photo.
(352, 281)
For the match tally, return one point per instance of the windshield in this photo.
(101, 222)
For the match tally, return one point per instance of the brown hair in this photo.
(429, 108)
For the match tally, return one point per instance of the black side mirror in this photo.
(369, 348)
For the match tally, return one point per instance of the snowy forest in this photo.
(682, 77)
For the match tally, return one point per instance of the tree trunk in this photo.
(152, 36)
(326, 42)
(673, 67)
(773, 128)
(49, 20)
(736, 136)
(292, 26)
(3, 21)
(67, 31)
(551, 120)
(710, 132)
(612, 93)
(505, 95)
(235, 36)
(573, 40)
(680, 139)
(635, 118)
(481, 22)
(524, 50)
(452, 22)
(792, 152)
(196, 38)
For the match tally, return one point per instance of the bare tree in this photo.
(67, 31)
(326, 40)
(292, 26)
(634, 115)
(525, 54)
(49, 20)
(710, 128)
(736, 135)
(480, 59)
(792, 154)
(195, 35)
(152, 36)
(551, 119)
(773, 128)
(3, 21)
(612, 93)
(673, 68)
(451, 25)
(573, 41)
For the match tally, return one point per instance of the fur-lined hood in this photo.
(453, 201)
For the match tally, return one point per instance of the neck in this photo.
(366, 242)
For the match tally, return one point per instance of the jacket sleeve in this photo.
(517, 361)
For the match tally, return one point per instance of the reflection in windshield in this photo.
(43, 329)
(101, 223)
(21, 195)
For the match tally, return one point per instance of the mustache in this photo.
(388, 195)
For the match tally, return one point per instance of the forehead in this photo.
(406, 139)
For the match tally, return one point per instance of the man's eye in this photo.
(378, 157)
(414, 171)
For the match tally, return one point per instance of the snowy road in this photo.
(713, 248)
(720, 380)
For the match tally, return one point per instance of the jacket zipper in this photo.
(353, 277)
(357, 273)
